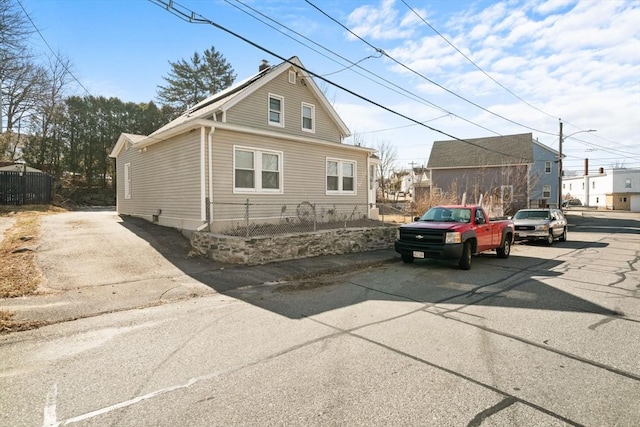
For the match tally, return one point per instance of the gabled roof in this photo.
(131, 138)
(482, 152)
(222, 101)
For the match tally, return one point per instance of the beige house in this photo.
(263, 150)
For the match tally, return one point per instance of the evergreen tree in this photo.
(189, 82)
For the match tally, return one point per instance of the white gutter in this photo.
(203, 215)
(211, 174)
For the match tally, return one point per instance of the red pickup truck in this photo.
(454, 232)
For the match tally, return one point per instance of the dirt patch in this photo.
(8, 324)
(19, 272)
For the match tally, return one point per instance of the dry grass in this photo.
(7, 324)
(19, 272)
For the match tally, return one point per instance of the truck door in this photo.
(483, 231)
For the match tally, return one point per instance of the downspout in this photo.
(203, 193)
(211, 176)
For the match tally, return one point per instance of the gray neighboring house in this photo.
(272, 141)
(514, 171)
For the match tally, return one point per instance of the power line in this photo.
(62, 63)
(423, 76)
(192, 17)
(497, 82)
(406, 92)
(472, 62)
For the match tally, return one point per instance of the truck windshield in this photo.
(447, 215)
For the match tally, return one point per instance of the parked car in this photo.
(571, 202)
(454, 232)
(540, 224)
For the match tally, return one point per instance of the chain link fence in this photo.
(249, 219)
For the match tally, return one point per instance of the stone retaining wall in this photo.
(264, 249)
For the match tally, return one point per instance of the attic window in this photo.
(276, 110)
(308, 117)
(292, 77)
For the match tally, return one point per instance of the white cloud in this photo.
(380, 22)
(577, 60)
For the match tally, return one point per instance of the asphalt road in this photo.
(550, 336)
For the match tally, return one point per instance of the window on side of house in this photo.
(127, 180)
(257, 171)
(341, 178)
(276, 110)
(308, 117)
(593, 185)
(627, 183)
(547, 167)
(546, 191)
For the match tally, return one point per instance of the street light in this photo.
(560, 160)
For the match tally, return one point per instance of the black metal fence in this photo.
(25, 188)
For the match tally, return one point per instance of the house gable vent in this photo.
(292, 77)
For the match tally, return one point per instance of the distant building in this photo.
(515, 171)
(613, 189)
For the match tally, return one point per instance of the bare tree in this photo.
(14, 32)
(387, 152)
(45, 147)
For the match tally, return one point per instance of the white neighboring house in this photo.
(414, 177)
(613, 189)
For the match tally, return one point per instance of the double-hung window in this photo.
(547, 167)
(276, 110)
(308, 117)
(546, 191)
(341, 176)
(257, 171)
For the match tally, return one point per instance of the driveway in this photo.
(96, 262)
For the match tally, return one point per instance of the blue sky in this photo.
(466, 68)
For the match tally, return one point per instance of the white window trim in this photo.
(292, 77)
(281, 98)
(340, 191)
(257, 170)
(546, 189)
(313, 117)
(127, 181)
(549, 169)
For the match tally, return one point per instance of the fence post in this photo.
(315, 218)
(246, 216)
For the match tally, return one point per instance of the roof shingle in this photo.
(491, 151)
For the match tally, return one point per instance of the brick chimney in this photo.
(586, 167)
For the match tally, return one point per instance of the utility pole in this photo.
(560, 168)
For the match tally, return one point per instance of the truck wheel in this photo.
(504, 250)
(465, 259)
(407, 259)
(549, 240)
(563, 238)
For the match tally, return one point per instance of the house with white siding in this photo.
(612, 189)
(271, 142)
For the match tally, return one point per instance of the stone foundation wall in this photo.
(260, 250)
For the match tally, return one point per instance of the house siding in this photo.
(304, 179)
(538, 178)
(606, 190)
(165, 181)
(253, 110)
